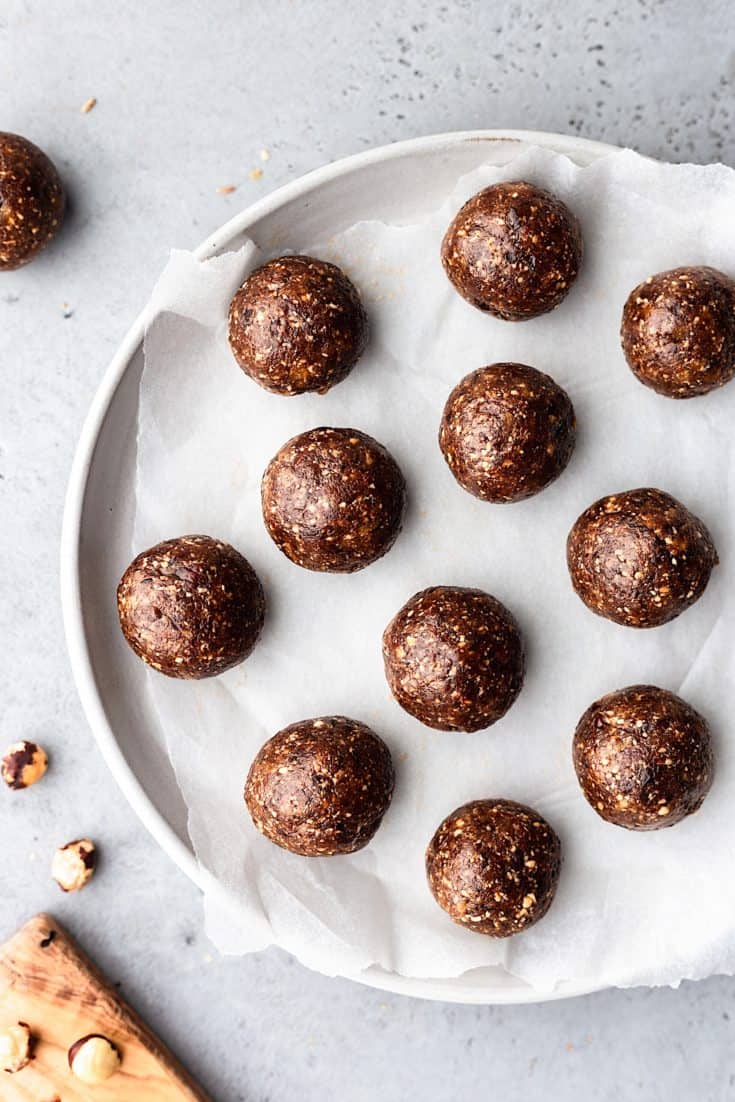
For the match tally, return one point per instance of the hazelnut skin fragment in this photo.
(73, 865)
(23, 764)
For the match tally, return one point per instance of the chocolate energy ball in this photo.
(507, 431)
(31, 201)
(678, 331)
(321, 786)
(643, 758)
(639, 558)
(493, 866)
(513, 250)
(454, 658)
(333, 500)
(191, 607)
(297, 324)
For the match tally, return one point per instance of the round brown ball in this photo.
(639, 558)
(678, 331)
(333, 500)
(507, 431)
(321, 787)
(31, 201)
(643, 758)
(493, 866)
(513, 250)
(297, 324)
(454, 658)
(191, 607)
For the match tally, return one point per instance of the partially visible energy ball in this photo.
(678, 331)
(297, 324)
(513, 250)
(639, 558)
(454, 658)
(493, 866)
(643, 758)
(191, 607)
(31, 201)
(507, 431)
(321, 786)
(333, 500)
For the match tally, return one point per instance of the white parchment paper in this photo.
(631, 908)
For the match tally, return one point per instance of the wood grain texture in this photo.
(46, 981)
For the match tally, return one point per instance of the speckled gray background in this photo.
(188, 94)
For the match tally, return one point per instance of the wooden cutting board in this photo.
(46, 981)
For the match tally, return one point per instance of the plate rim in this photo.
(447, 989)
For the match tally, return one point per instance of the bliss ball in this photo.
(639, 558)
(493, 866)
(297, 324)
(321, 787)
(31, 201)
(513, 250)
(507, 431)
(333, 500)
(643, 758)
(454, 658)
(678, 331)
(191, 607)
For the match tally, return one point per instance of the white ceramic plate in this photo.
(394, 183)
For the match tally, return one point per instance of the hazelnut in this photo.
(94, 1059)
(16, 1047)
(23, 764)
(74, 864)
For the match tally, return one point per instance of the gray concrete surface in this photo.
(188, 94)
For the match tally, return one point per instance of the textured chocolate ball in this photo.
(643, 758)
(513, 250)
(191, 607)
(31, 201)
(297, 324)
(507, 431)
(639, 558)
(678, 331)
(333, 500)
(493, 866)
(321, 787)
(454, 658)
